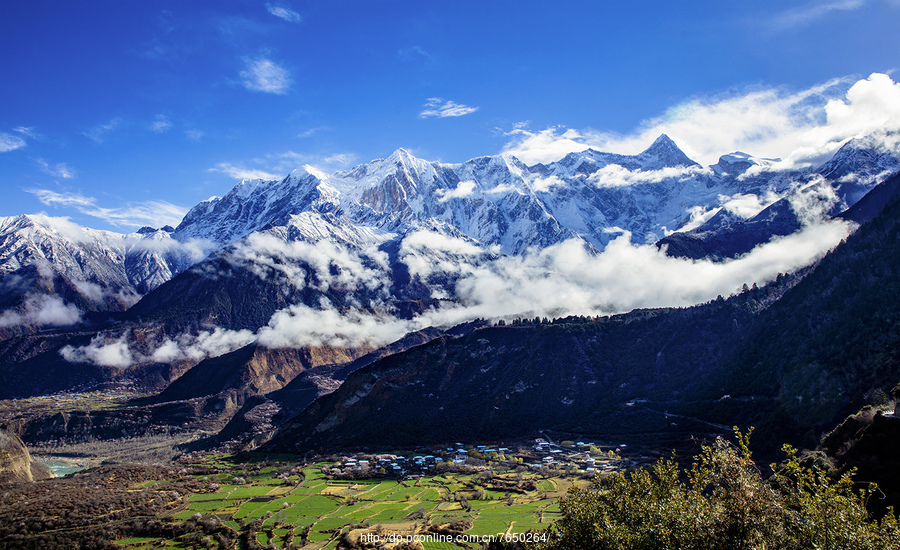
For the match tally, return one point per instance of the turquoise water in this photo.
(61, 469)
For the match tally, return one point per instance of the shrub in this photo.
(722, 502)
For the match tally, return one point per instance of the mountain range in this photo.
(301, 278)
(496, 204)
(791, 358)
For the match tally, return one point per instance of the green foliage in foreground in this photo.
(722, 502)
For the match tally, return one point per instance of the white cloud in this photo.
(501, 188)
(283, 12)
(437, 107)
(98, 133)
(812, 202)
(463, 189)
(191, 250)
(122, 351)
(301, 326)
(803, 127)
(52, 198)
(9, 142)
(425, 252)
(331, 265)
(547, 145)
(264, 75)
(41, 310)
(154, 213)
(543, 185)
(566, 279)
(59, 170)
(161, 124)
(747, 205)
(167, 352)
(100, 352)
(241, 173)
(90, 290)
(213, 343)
(613, 175)
(62, 226)
(810, 12)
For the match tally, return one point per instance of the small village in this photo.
(540, 455)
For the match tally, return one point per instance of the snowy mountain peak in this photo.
(664, 153)
(401, 155)
(304, 176)
(663, 141)
(254, 204)
(400, 161)
(735, 164)
(865, 156)
(245, 188)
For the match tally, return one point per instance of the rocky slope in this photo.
(16, 463)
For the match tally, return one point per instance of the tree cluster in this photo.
(722, 502)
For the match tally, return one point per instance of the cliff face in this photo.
(16, 463)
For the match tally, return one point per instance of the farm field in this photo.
(288, 506)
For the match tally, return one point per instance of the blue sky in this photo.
(119, 114)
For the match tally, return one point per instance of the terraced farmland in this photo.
(306, 510)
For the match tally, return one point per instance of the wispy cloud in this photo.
(284, 162)
(59, 170)
(98, 133)
(437, 107)
(27, 131)
(161, 124)
(41, 310)
(194, 134)
(275, 166)
(335, 160)
(264, 75)
(283, 12)
(802, 127)
(154, 213)
(242, 173)
(308, 133)
(9, 142)
(808, 13)
(414, 53)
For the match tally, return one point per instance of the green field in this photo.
(313, 512)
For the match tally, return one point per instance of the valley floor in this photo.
(223, 501)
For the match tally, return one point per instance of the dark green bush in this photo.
(722, 502)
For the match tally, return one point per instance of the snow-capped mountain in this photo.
(496, 200)
(107, 270)
(861, 163)
(400, 235)
(417, 226)
(360, 258)
(829, 190)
